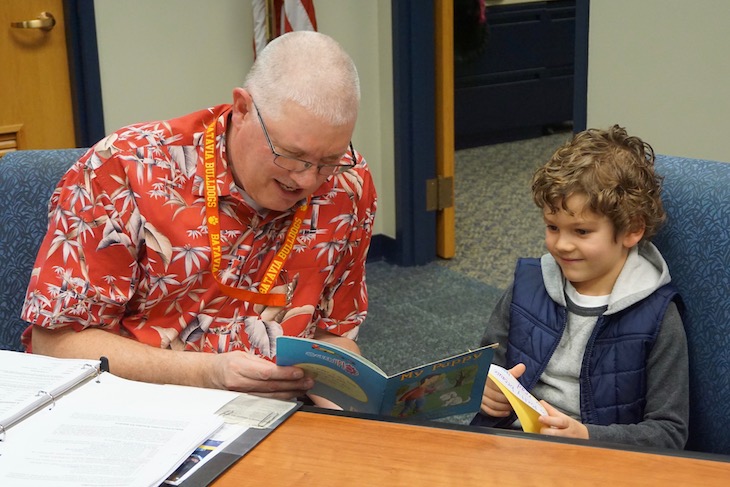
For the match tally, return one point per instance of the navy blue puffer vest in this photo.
(613, 372)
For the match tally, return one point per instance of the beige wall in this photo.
(662, 69)
(163, 58)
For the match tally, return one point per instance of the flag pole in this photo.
(270, 21)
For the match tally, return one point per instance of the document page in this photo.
(106, 448)
(28, 381)
(111, 432)
(244, 412)
(205, 452)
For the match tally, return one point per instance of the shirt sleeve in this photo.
(497, 332)
(498, 327)
(83, 273)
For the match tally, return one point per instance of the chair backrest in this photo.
(27, 179)
(695, 242)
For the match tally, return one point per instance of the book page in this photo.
(441, 388)
(527, 407)
(29, 381)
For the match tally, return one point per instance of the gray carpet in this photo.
(424, 313)
(420, 314)
(496, 219)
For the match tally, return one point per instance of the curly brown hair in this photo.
(613, 170)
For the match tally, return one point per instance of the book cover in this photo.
(445, 387)
(526, 406)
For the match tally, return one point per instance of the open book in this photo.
(66, 423)
(445, 387)
(526, 406)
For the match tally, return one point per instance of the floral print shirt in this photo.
(127, 247)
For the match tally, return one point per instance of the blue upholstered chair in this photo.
(696, 244)
(27, 179)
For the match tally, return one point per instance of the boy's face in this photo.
(586, 247)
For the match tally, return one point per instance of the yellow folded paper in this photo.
(527, 407)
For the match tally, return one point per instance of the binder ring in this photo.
(98, 372)
(53, 399)
(2, 432)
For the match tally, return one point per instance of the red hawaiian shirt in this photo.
(127, 247)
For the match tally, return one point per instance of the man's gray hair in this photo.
(309, 69)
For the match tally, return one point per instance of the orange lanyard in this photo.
(214, 235)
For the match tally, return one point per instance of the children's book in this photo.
(445, 387)
(527, 407)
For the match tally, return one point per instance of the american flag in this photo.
(271, 18)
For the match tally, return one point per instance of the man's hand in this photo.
(243, 372)
(238, 371)
(494, 403)
(559, 424)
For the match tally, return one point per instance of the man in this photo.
(215, 232)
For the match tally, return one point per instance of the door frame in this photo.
(580, 65)
(414, 68)
(414, 87)
(83, 61)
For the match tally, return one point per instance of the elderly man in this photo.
(215, 232)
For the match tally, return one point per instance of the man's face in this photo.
(295, 133)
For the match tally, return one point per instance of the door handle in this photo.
(45, 21)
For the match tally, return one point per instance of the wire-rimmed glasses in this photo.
(298, 165)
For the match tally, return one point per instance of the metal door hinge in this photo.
(439, 193)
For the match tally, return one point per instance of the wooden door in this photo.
(36, 110)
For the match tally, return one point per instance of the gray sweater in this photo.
(666, 415)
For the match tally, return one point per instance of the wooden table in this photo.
(331, 450)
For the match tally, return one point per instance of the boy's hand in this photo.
(494, 403)
(559, 424)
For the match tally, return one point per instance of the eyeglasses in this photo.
(298, 165)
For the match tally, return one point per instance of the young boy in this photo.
(593, 328)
